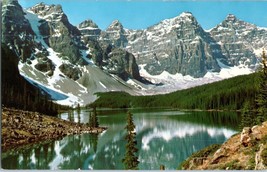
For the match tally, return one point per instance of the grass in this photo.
(202, 153)
(251, 163)
(233, 165)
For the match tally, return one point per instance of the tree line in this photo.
(229, 94)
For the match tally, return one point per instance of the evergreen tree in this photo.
(262, 95)
(93, 120)
(130, 159)
(246, 117)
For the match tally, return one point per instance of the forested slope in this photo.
(19, 93)
(228, 94)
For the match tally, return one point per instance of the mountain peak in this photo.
(176, 21)
(186, 14)
(43, 9)
(115, 25)
(231, 17)
(88, 24)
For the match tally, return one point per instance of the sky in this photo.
(137, 14)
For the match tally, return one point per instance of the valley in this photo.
(161, 94)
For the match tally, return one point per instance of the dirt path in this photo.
(24, 127)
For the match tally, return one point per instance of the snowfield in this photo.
(170, 83)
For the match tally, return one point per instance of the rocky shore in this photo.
(244, 151)
(24, 127)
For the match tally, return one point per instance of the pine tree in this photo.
(246, 117)
(93, 120)
(262, 89)
(130, 159)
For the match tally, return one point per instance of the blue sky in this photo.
(137, 14)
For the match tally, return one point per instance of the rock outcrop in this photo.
(123, 64)
(89, 29)
(246, 150)
(115, 35)
(58, 33)
(71, 71)
(23, 127)
(17, 33)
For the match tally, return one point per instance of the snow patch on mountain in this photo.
(85, 53)
(54, 89)
(168, 82)
(58, 83)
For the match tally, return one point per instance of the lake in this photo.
(165, 137)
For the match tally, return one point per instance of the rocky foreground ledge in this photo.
(24, 127)
(244, 151)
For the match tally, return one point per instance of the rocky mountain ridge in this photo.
(61, 57)
(240, 41)
(55, 56)
(180, 45)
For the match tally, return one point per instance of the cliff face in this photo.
(246, 150)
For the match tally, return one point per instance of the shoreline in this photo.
(20, 128)
(246, 150)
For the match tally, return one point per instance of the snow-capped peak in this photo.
(88, 24)
(186, 14)
(115, 25)
(231, 17)
(49, 12)
(176, 21)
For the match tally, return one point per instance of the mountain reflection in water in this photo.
(164, 137)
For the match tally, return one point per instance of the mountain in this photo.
(180, 45)
(177, 45)
(109, 55)
(54, 56)
(241, 42)
(89, 29)
(17, 33)
(115, 35)
(72, 63)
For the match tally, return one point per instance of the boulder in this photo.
(246, 136)
(71, 71)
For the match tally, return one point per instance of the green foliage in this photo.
(233, 165)
(247, 116)
(262, 92)
(130, 159)
(112, 100)
(251, 163)
(229, 94)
